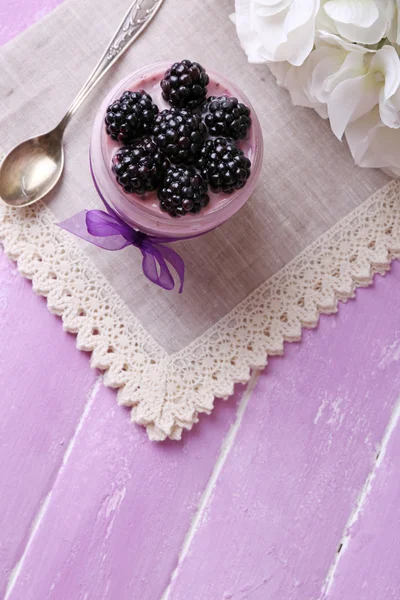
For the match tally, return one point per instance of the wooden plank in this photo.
(17, 15)
(120, 508)
(307, 443)
(113, 538)
(44, 381)
(44, 385)
(368, 564)
(91, 545)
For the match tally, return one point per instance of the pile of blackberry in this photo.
(183, 150)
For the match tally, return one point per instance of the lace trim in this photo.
(166, 393)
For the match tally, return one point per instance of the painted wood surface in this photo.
(306, 446)
(41, 405)
(368, 565)
(120, 509)
(69, 456)
(253, 504)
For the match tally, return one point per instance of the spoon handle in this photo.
(135, 21)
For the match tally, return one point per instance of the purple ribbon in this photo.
(107, 230)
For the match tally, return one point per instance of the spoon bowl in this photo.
(31, 169)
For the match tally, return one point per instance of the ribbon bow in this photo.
(107, 230)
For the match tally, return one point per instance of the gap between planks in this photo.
(361, 501)
(15, 571)
(226, 447)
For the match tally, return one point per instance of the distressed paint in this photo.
(41, 404)
(82, 433)
(306, 446)
(119, 509)
(91, 510)
(368, 564)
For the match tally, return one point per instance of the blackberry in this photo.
(131, 116)
(224, 166)
(183, 190)
(139, 168)
(227, 117)
(179, 134)
(185, 85)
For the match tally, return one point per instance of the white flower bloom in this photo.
(311, 84)
(297, 80)
(277, 30)
(339, 57)
(372, 144)
(360, 21)
(350, 79)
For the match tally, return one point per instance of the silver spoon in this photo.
(34, 167)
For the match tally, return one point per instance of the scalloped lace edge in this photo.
(166, 393)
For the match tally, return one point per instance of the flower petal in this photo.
(350, 100)
(386, 62)
(336, 40)
(362, 12)
(352, 66)
(279, 70)
(327, 61)
(299, 43)
(390, 110)
(248, 37)
(361, 21)
(267, 9)
(394, 31)
(276, 30)
(374, 145)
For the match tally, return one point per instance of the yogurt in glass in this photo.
(144, 212)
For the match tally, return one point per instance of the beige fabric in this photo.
(166, 393)
(252, 284)
(308, 181)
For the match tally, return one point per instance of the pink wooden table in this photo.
(289, 491)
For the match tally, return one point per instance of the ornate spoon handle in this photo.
(135, 21)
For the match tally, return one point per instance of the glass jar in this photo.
(143, 212)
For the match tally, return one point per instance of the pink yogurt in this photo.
(143, 212)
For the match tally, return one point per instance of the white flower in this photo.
(339, 57)
(276, 30)
(372, 144)
(350, 79)
(360, 21)
(312, 83)
(298, 82)
(373, 79)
